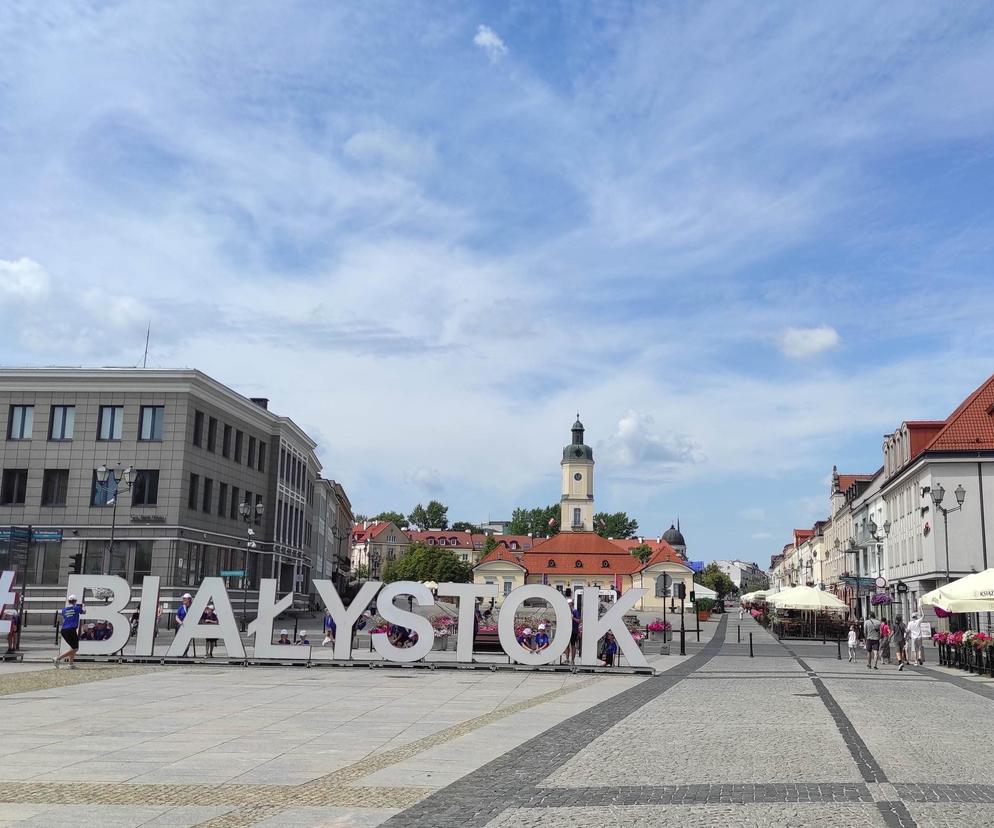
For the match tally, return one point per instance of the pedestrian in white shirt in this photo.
(852, 642)
(915, 638)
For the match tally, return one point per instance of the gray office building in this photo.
(198, 465)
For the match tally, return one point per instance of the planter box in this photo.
(703, 615)
(441, 642)
(663, 635)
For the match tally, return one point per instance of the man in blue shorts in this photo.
(71, 615)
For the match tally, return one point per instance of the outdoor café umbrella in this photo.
(974, 593)
(758, 595)
(806, 598)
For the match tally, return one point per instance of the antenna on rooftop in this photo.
(148, 333)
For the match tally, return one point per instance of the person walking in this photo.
(898, 634)
(71, 615)
(853, 642)
(330, 629)
(741, 610)
(871, 631)
(15, 619)
(884, 641)
(210, 617)
(915, 638)
(181, 610)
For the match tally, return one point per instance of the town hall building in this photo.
(577, 557)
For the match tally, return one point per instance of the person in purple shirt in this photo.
(541, 639)
(70, 615)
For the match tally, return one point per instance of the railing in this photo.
(965, 657)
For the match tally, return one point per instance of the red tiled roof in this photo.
(971, 426)
(502, 553)
(434, 537)
(666, 551)
(590, 550)
(801, 535)
(846, 480)
(360, 534)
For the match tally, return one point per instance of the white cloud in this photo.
(635, 444)
(490, 42)
(799, 343)
(23, 280)
(425, 479)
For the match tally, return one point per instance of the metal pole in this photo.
(113, 523)
(697, 619)
(839, 642)
(244, 589)
(738, 634)
(750, 646)
(945, 531)
(683, 642)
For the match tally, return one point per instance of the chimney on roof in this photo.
(262, 402)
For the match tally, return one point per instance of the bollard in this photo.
(750, 646)
(840, 649)
(822, 635)
(738, 634)
(683, 642)
(698, 624)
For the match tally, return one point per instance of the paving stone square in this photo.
(791, 736)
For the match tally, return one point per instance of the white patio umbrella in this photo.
(806, 598)
(974, 593)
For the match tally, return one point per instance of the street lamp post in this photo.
(938, 493)
(852, 549)
(105, 473)
(248, 513)
(339, 535)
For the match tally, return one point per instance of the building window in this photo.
(145, 491)
(258, 518)
(208, 494)
(578, 564)
(111, 420)
(143, 561)
(198, 428)
(238, 447)
(62, 422)
(552, 564)
(226, 442)
(212, 434)
(576, 517)
(508, 584)
(21, 422)
(262, 456)
(605, 565)
(222, 499)
(250, 460)
(233, 514)
(150, 423)
(191, 501)
(442, 541)
(14, 487)
(55, 487)
(514, 544)
(102, 494)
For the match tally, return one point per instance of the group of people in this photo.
(883, 638)
(97, 631)
(302, 639)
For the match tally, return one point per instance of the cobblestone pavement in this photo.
(791, 737)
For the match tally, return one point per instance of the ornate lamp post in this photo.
(248, 513)
(938, 493)
(104, 474)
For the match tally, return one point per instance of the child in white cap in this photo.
(541, 639)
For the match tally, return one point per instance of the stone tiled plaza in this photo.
(793, 736)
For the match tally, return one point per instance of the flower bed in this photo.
(969, 650)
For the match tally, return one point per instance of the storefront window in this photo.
(143, 561)
(94, 557)
(119, 560)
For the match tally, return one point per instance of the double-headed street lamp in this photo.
(938, 493)
(104, 474)
(248, 513)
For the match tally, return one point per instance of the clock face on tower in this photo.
(578, 476)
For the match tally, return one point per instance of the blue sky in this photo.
(744, 240)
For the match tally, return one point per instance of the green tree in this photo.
(360, 518)
(433, 516)
(713, 578)
(465, 526)
(643, 552)
(428, 563)
(392, 517)
(535, 521)
(362, 572)
(616, 525)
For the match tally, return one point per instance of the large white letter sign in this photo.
(505, 624)
(613, 620)
(113, 611)
(262, 627)
(7, 596)
(467, 595)
(395, 615)
(147, 616)
(345, 619)
(211, 591)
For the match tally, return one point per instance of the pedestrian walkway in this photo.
(790, 736)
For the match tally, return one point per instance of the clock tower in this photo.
(577, 501)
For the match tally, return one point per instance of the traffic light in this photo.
(680, 590)
(76, 565)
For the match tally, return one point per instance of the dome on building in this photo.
(674, 537)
